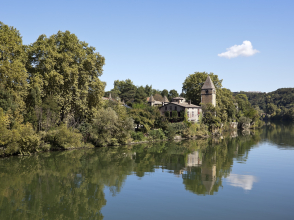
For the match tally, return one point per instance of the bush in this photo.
(156, 134)
(170, 132)
(179, 127)
(21, 139)
(63, 137)
(167, 114)
(174, 114)
(109, 129)
(137, 136)
(196, 130)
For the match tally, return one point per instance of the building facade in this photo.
(179, 104)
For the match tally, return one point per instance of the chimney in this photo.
(189, 102)
(110, 96)
(179, 101)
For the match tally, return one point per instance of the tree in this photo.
(126, 89)
(271, 109)
(13, 74)
(67, 69)
(148, 90)
(142, 117)
(194, 82)
(172, 94)
(225, 105)
(140, 96)
(164, 93)
(109, 128)
(156, 91)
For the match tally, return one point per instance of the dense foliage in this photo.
(51, 97)
(276, 105)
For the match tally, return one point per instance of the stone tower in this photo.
(208, 92)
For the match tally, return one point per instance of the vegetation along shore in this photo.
(51, 97)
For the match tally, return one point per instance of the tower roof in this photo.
(151, 99)
(165, 99)
(208, 84)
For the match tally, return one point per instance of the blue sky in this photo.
(161, 42)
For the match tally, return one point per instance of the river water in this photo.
(241, 176)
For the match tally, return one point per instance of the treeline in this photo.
(126, 91)
(276, 105)
(51, 97)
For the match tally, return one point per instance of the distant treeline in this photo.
(276, 105)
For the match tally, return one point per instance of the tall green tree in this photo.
(164, 93)
(126, 89)
(67, 69)
(172, 94)
(13, 74)
(148, 90)
(194, 82)
(140, 96)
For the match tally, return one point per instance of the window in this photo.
(165, 107)
(188, 114)
(176, 108)
(170, 108)
(192, 114)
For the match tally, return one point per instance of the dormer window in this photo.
(206, 91)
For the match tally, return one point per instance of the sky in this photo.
(248, 44)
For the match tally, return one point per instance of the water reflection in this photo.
(280, 134)
(71, 185)
(243, 181)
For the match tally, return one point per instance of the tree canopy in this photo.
(66, 68)
(194, 82)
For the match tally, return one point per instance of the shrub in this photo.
(174, 114)
(167, 114)
(137, 136)
(170, 132)
(63, 137)
(20, 139)
(195, 130)
(109, 129)
(179, 127)
(156, 134)
(244, 120)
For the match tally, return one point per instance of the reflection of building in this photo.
(196, 167)
(193, 159)
(208, 177)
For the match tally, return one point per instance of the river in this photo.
(238, 176)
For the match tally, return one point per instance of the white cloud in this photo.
(243, 181)
(245, 49)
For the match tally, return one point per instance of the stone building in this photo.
(179, 104)
(208, 95)
(208, 92)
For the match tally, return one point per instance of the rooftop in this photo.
(208, 84)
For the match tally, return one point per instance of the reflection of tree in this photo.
(216, 163)
(281, 134)
(70, 185)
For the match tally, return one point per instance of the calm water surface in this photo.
(248, 176)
